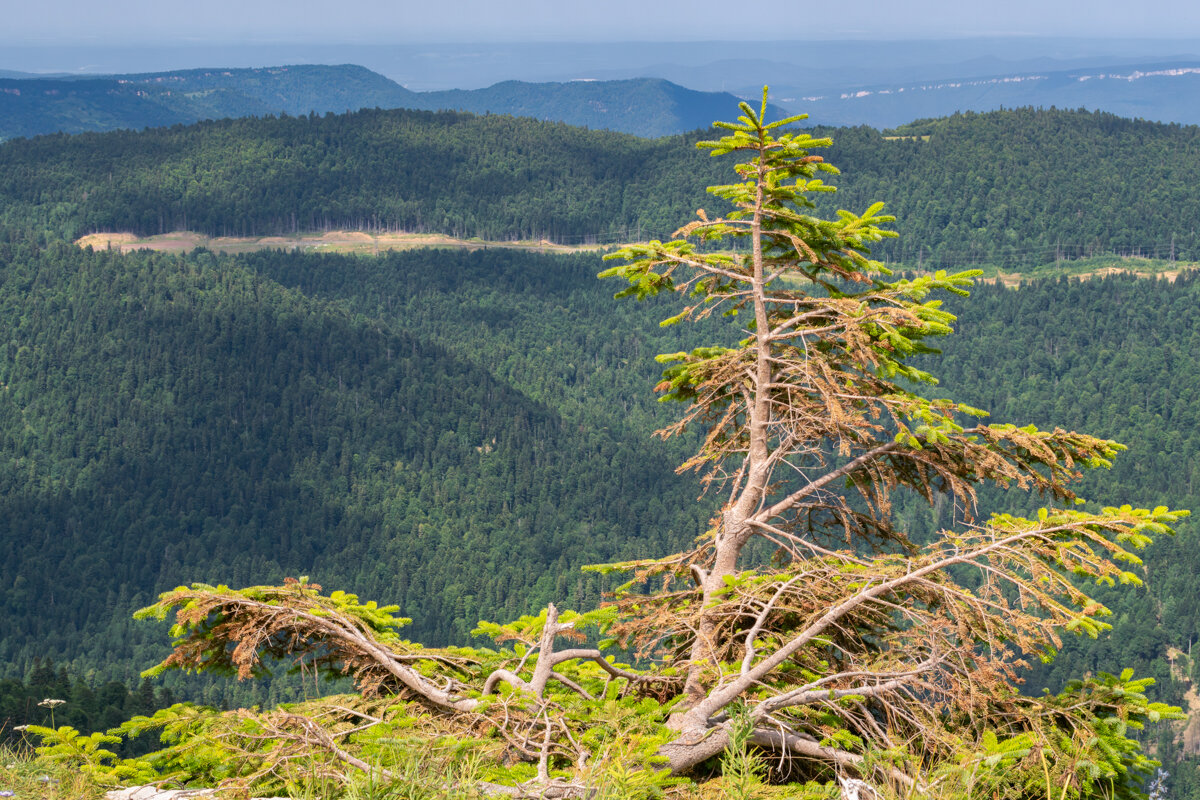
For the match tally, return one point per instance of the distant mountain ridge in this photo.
(31, 105)
(644, 106)
(1162, 91)
(296, 89)
(1159, 92)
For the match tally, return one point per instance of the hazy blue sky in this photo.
(121, 22)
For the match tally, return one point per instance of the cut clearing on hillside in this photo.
(331, 242)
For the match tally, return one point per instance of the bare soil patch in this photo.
(176, 241)
(346, 237)
(1187, 731)
(365, 243)
(104, 241)
(331, 241)
(1014, 280)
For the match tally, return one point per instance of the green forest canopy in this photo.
(1009, 188)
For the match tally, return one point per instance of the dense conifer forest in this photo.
(1010, 188)
(367, 422)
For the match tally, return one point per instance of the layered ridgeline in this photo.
(1013, 188)
(648, 100)
(32, 105)
(1156, 90)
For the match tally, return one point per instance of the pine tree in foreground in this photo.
(806, 641)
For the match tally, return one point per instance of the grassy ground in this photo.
(28, 777)
(415, 775)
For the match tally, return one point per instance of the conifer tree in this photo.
(845, 636)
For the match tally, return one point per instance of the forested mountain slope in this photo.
(1012, 188)
(1114, 357)
(1025, 186)
(366, 422)
(165, 420)
(456, 173)
(369, 421)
